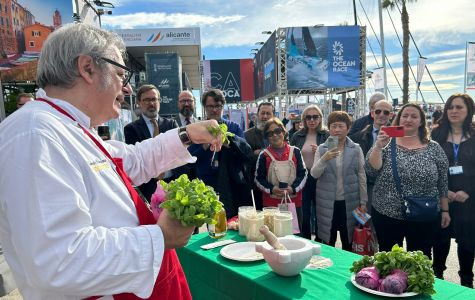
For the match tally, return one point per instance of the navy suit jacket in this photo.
(137, 131)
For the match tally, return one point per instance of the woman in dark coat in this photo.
(455, 134)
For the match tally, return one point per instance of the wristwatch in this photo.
(184, 137)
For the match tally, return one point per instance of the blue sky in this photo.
(230, 29)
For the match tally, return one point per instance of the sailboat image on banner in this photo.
(306, 62)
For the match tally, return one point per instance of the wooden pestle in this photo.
(271, 238)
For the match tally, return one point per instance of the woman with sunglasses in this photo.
(341, 187)
(307, 139)
(422, 168)
(289, 180)
(455, 134)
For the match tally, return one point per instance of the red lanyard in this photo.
(144, 214)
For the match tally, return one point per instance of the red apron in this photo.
(171, 281)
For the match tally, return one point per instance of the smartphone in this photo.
(394, 131)
(332, 142)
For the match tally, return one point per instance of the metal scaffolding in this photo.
(284, 97)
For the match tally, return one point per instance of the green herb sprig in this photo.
(420, 276)
(191, 202)
(223, 130)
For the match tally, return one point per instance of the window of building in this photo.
(1, 20)
(36, 33)
(32, 44)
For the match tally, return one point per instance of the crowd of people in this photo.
(72, 225)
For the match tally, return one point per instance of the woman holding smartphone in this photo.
(422, 167)
(341, 188)
(280, 169)
(455, 134)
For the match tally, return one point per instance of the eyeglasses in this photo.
(128, 72)
(214, 107)
(150, 100)
(312, 117)
(276, 131)
(186, 101)
(385, 112)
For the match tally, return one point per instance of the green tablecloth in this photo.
(211, 276)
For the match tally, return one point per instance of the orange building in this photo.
(35, 36)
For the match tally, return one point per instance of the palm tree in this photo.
(405, 44)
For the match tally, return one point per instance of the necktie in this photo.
(375, 135)
(187, 121)
(155, 127)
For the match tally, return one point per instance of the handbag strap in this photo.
(397, 179)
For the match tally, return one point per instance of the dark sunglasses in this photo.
(276, 131)
(385, 112)
(128, 71)
(312, 117)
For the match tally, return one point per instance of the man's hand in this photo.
(460, 196)
(175, 235)
(330, 154)
(199, 134)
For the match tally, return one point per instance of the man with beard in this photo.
(186, 107)
(255, 138)
(149, 125)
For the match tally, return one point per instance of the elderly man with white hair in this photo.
(71, 224)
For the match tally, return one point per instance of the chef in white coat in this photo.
(69, 226)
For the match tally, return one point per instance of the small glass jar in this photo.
(283, 223)
(242, 219)
(269, 213)
(255, 221)
(218, 230)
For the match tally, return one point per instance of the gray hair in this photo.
(57, 65)
(375, 98)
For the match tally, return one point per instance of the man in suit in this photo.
(149, 125)
(186, 108)
(366, 138)
(362, 122)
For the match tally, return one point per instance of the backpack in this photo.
(281, 171)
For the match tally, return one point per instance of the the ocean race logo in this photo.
(155, 37)
(339, 63)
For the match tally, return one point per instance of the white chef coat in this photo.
(68, 225)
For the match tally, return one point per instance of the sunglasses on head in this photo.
(276, 131)
(385, 112)
(312, 117)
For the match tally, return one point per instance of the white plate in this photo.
(403, 295)
(245, 251)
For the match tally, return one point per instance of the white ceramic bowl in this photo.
(292, 261)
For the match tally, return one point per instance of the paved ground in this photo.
(450, 273)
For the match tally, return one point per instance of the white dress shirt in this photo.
(183, 119)
(68, 226)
